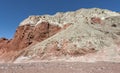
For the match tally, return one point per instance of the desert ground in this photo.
(60, 67)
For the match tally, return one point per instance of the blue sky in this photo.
(12, 12)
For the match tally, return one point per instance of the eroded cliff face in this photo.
(27, 35)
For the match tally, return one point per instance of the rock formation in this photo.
(85, 34)
(26, 35)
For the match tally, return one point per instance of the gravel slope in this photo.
(96, 29)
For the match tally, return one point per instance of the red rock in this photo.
(26, 35)
(95, 20)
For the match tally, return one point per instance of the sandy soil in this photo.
(61, 67)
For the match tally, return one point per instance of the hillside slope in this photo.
(83, 35)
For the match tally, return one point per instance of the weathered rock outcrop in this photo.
(26, 35)
(85, 33)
